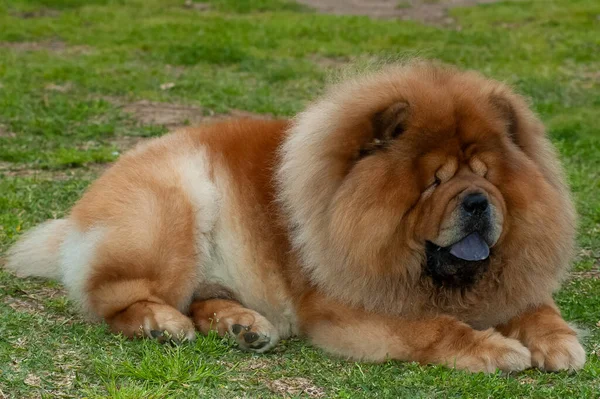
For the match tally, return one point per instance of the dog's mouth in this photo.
(460, 264)
(472, 248)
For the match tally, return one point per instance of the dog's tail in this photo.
(37, 252)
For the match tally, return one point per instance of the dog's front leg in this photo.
(361, 335)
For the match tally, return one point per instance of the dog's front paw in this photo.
(166, 324)
(556, 352)
(491, 351)
(257, 335)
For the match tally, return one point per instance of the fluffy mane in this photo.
(359, 258)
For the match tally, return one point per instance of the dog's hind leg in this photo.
(141, 293)
(138, 266)
(153, 320)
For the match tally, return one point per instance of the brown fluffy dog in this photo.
(418, 213)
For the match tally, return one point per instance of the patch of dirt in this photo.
(5, 133)
(34, 301)
(192, 5)
(585, 254)
(123, 143)
(175, 70)
(329, 62)
(89, 171)
(587, 79)
(592, 75)
(428, 11)
(24, 305)
(293, 386)
(37, 295)
(52, 46)
(32, 380)
(176, 115)
(45, 292)
(165, 114)
(65, 363)
(234, 114)
(39, 13)
(171, 116)
(167, 86)
(59, 88)
(592, 274)
(527, 381)
(255, 363)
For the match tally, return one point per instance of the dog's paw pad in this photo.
(254, 338)
(251, 337)
(237, 328)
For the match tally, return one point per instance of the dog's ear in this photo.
(387, 125)
(527, 131)
(521, 124)
(507, 112)
(391, 122)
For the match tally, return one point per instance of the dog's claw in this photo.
(156, 333)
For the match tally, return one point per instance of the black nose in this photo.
(475, 203)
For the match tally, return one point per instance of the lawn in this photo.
(83, 80)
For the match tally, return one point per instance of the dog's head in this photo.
(421, 171)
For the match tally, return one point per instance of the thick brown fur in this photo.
(319, 227)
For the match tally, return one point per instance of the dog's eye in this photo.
(398, 130)
(364, 152)
(370, 148)
(436, 182)
(431, 188)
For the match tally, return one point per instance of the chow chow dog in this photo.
(418, 212)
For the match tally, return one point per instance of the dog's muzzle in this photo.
(461, 263)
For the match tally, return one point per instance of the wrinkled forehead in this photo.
(441, 105)
(441, 102)
(442, 112)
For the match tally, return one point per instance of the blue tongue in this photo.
(471, 248)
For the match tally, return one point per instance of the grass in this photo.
(68, 66)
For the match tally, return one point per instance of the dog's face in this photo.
(423, 171)
(431, 168)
